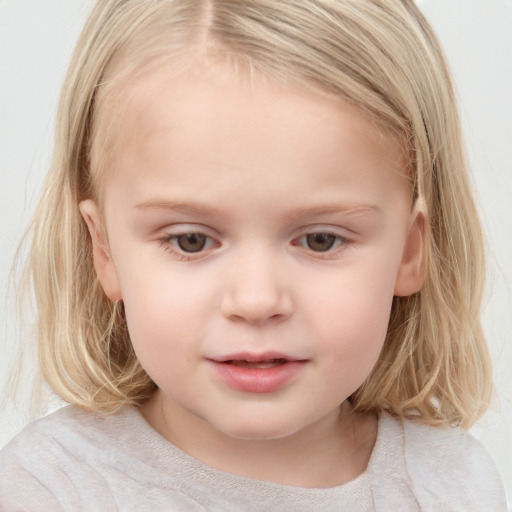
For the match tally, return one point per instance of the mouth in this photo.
(254, 360)
(270, 363)
(257, 373)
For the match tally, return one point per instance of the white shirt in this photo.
(77, 461)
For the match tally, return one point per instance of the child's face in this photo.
(256, 236)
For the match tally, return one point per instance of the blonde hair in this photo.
(380, 55)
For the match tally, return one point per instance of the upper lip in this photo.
(254, 357)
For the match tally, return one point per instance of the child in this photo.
(258, 268)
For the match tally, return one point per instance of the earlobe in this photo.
(411, 273)
(103, 263)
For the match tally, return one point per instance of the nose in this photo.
(255, 290)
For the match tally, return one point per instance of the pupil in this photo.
(320, 242)
(191, 242)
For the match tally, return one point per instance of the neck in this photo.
(328, 453)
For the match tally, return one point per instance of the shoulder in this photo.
(73, 460)
(68, 432)
(448, 467)
(40, 467)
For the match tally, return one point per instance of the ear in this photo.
(411, 273)
(103, 264)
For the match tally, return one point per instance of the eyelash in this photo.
(170, 243)
(333, 251)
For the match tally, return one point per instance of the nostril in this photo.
(255, 309)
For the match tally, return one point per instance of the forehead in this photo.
(175, 125)
(176, 96)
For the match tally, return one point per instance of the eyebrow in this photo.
(181, 207)
(339, 208)
(198, 209)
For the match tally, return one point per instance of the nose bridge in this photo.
(255, 287)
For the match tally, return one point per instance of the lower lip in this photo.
(257, 380)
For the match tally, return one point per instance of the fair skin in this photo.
(256, 236)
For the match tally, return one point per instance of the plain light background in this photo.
(36, 39)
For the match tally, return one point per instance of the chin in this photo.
(258, 430)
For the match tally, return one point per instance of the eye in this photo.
(187, 244)
(321, 241)
(190, 242)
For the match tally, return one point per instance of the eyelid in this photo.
(172, 233)
(340, 238)
(328, 229)
(342, 243)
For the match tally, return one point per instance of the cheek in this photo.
(161, 336)
(355, 299)
(351, 322)
(166, 313)
(359, 325)
(355, 341)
